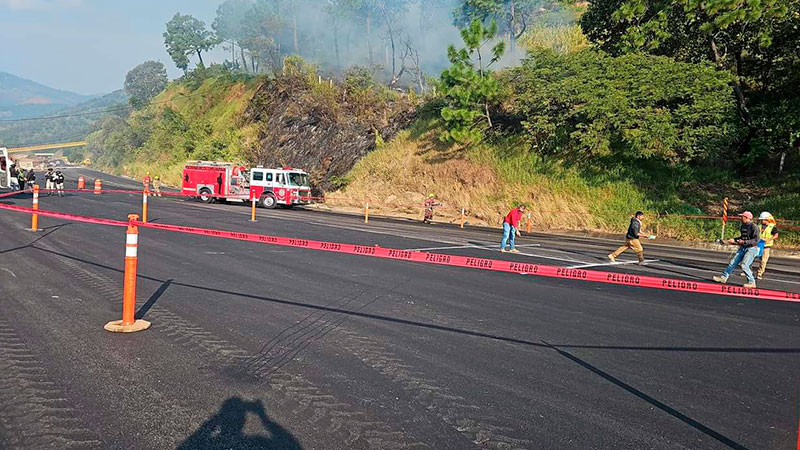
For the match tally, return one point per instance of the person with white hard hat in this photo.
(769, 232)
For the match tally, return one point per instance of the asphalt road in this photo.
(254, 346)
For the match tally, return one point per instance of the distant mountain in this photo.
(21, 98)
(78, 123)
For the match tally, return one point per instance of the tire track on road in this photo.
(301, 397)
(36, 413)
(453, 409)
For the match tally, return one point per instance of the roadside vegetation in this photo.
(585, 113)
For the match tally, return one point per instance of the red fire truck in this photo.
(231, 182)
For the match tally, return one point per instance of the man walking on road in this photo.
(747, 252)
(632, 239)
(511, 228)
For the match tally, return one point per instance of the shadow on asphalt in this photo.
(49, 231)
(347, 313)
(658, 404)
(225, 430)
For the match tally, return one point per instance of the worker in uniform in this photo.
(21, 178)
(49, 182)
(768, 233)
(747, 252)
(430, 203)
(59, 181)
(157, 186)
(14, 181)
(30, 178)
(632, 239)
(146, 182)
(511, 229)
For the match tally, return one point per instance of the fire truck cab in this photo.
(227, 181)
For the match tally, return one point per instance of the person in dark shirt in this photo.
(632, 239)
(747, 252)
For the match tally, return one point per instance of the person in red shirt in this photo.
(511, 228)
(146, 182)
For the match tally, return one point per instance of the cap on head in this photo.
(747, 214)
(431, 195)
(764, 215)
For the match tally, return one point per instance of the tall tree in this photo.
(145, 81)
(512, 16)
(229, 24)
(468, 85)
(185, 36)
(261, 29)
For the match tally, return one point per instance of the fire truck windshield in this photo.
(298, 179)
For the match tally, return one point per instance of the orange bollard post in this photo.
(35, 217)
(81, 182)
(462, 217)
(366, 212)
(528, 228)
(98, 186)
(253, 209)
(145, 194)
(129, 323)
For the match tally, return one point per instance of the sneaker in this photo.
(641, 263)
(760, 277)
(722, 280)
(750, 285)
(502, 250)
(612, 258)
(513, 250)
(743, 274)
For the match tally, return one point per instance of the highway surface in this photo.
(256, 346)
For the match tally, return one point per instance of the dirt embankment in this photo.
(322, 127)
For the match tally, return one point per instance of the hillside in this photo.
(76, 125)
(289, 119)
(21, 98)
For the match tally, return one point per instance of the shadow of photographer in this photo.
(226, 429)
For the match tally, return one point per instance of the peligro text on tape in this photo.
(493, 264)
(448, 260)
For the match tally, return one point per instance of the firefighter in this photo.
(59, 181)
(21, 178)
(430, 204)
(157, 186)
(49, 182)
(146, 182)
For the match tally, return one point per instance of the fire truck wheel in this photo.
(205, 196)
(268, 201)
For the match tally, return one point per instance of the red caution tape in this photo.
(449, 260)
(65, 216)
(13, 193)
(492, 264)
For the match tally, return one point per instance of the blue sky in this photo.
(87, 46)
